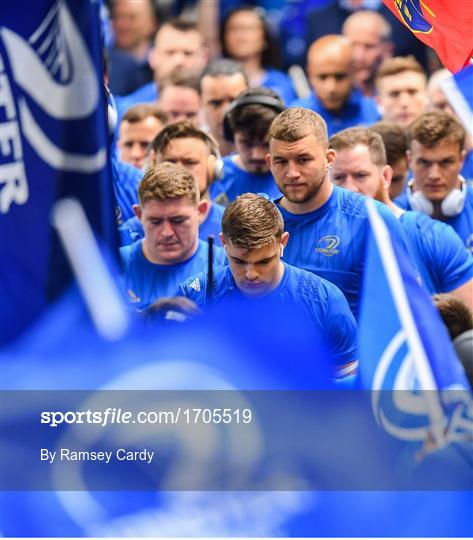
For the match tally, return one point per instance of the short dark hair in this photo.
(254, 120)
(271, 56)
(395, 140)
(455, 314)
(182, 24)
(182, 130)
(181, 79)
(139, 112)
(223, 67)
(434, 127)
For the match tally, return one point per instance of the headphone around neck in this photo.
(451, 206)
(215, 161)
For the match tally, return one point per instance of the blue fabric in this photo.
(132, 229)
(213, 222)
(322, 301)
(467, 169)
(126, 73)
(125, 182)
(359, 110)
(331, 241)
(236, 181)
(68, 157)
(146, 94)
(380, 312)
(280, 83)
(144, 282)
(462, 224)
(438, 251)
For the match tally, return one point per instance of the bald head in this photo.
(332, 46)
(329, 65)
(370, 36)
(367, 21)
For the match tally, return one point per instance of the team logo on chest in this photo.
(328, 245)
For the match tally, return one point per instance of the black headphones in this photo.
(267, 101)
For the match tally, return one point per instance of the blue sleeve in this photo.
(452, 263)
(126, 179)
(397, 231)
(402, 201)
(131, 231)
(340, 326)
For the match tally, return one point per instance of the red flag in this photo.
(444, 25)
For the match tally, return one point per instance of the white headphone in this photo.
(451, 206)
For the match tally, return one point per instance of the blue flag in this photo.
(459, 91)
(54, 144)
(404, 345)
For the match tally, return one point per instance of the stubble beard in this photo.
(311, 192)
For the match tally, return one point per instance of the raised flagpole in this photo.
(418, 354)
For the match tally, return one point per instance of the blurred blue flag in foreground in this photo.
(240, 348)
(405, 347)
(459, 91)
(54, 145)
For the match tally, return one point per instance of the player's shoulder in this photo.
(196, 286)
(128, 253)
(350, 203)
(428, 228)
(309, 285)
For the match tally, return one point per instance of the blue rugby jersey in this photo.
(145, 282)
(358, 110)
(236, 181)
(330, 241)
(462, 224)
(438, 251)
(322, 301)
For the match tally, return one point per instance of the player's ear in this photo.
(387, 176)
(267, 157)
(152, 58)
(330, 156)
(202, 209)
(222, 239)
(284, 239)
(137, 210)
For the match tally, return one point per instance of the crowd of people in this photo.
(214, 139)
